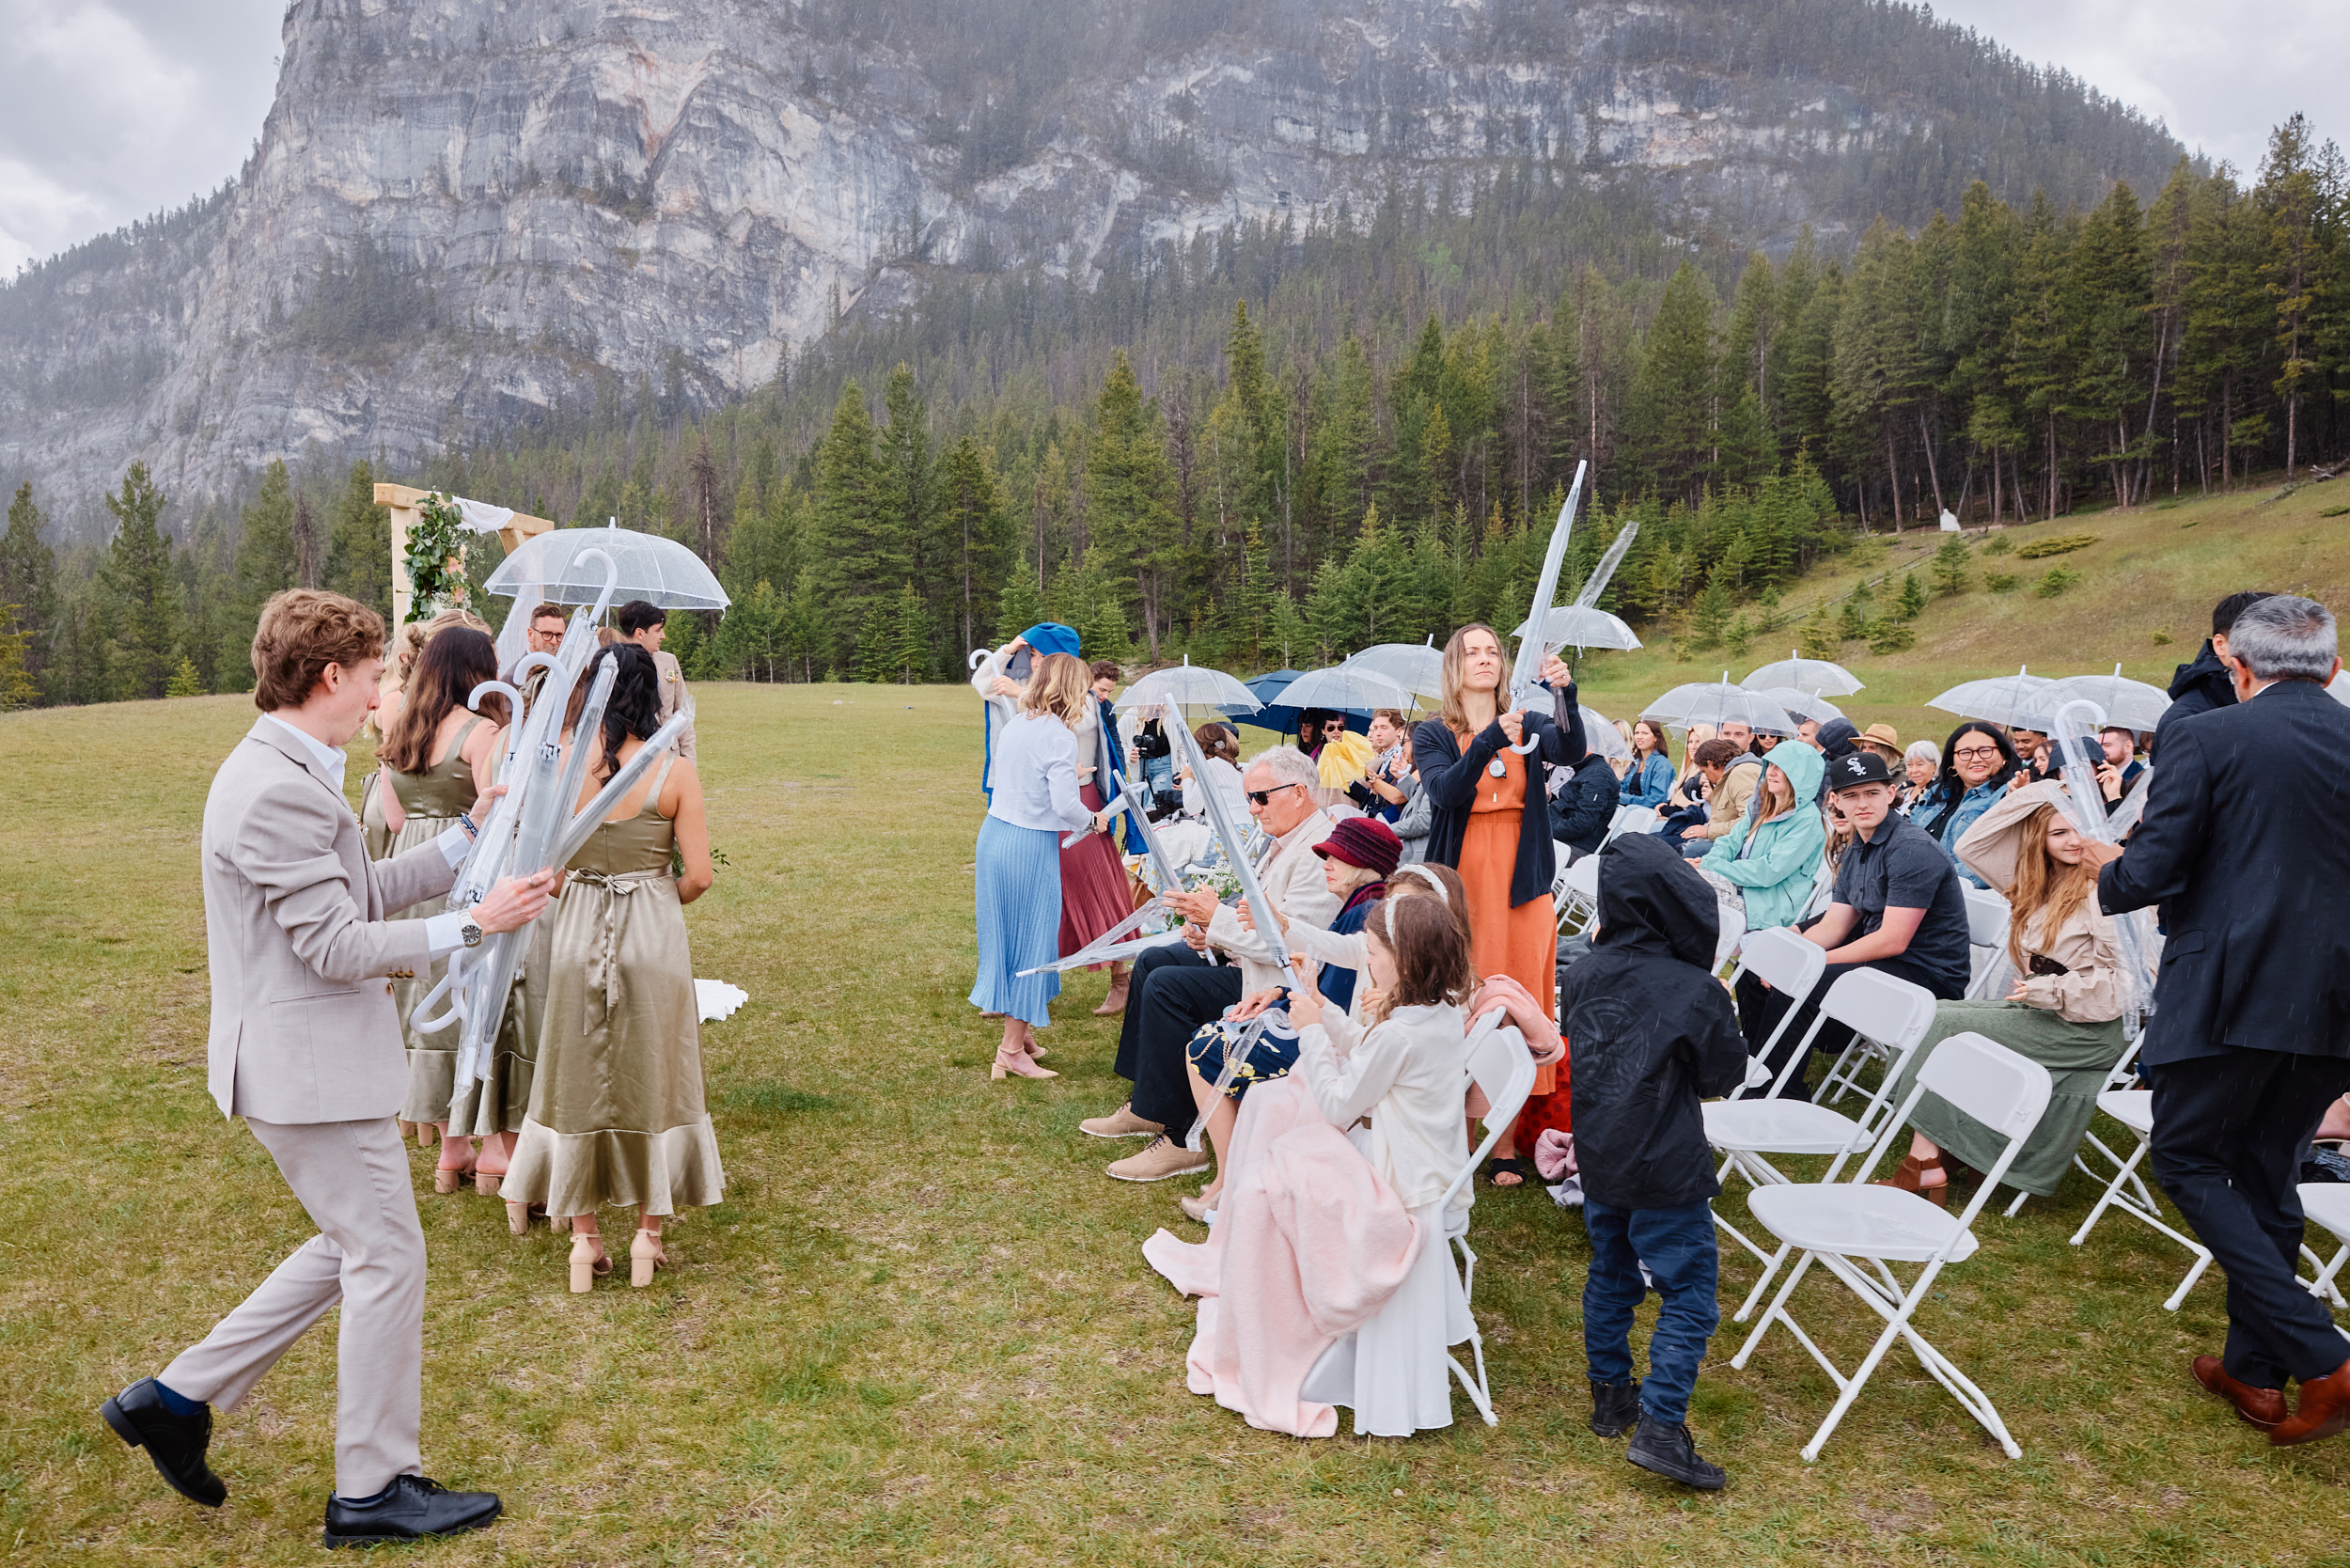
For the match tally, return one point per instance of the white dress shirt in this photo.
(442, 930)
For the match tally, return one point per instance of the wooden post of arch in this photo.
(403, 500)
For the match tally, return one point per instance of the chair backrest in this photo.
(1791, 964)
(1501, 1066)
(2005, 1091)
(1559, 855)
(1894, 1013)
(1632, 819)
(1583, 878)
(1987, 917)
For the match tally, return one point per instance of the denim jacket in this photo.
(1948, 828)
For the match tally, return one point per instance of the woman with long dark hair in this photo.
(617, 1110)
(1977, 761)
(1490, 818)
(435, 759)
(1650, 778)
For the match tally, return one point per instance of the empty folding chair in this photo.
(1845, 1226)
(1889, 1011)
(1559, 855)
(1578, 897)
(1632, 819)
(1986, 931)
(2135, 1109)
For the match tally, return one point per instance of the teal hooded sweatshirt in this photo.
(1775, 872)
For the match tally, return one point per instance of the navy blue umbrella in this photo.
(1274, 716)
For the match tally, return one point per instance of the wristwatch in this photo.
(470, 930)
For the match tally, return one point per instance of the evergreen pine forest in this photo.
(1287, 441)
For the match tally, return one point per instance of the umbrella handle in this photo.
(979, 656)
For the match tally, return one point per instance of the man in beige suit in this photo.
(306, 1045)
(645, 624)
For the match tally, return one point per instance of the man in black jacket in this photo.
(1652, 1034)
(2209, 681)
(2250, 1041)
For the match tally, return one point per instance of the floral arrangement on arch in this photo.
(435, 559)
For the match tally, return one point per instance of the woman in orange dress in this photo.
(1490, 821)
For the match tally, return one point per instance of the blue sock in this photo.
(177, 1404)
(362, 1502)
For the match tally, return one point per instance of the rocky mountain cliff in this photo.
(462, 212)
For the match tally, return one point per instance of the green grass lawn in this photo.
(920, 1328)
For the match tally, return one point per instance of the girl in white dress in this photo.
(1402, 1070)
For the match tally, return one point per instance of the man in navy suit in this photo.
(2250, 1041)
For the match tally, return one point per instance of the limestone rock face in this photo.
(462, 212)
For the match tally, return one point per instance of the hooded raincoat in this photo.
(1775, 863)
(1654, 1030)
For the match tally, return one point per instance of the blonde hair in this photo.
(1059, 685)
(2047, 891)
(414, 635)
(1454, 712)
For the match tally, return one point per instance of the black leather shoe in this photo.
(409, 1510)
(175, 1443)
(1615, 1408)
(1667, 1449)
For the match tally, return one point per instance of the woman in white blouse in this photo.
(1016, 869)
(1403, 1073)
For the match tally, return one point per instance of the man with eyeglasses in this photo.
(1897, 907)
(1176, 989)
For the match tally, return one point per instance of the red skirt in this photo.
(1093, 885)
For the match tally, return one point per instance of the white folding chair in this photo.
(1559, 855)
(1501, 1066)
(1986, 931)
(1884, 1009)
(2135, 1109)
(1578, 897)
(1632, 819)
(1844, 1224)
(2326, 1205)
(1823, 888)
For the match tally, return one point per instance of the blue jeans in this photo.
(1682, 1255)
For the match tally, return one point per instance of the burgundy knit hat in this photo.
(1363, 841)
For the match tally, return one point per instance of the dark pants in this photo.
(2228, 1133)
(1682, 1256)
(1760, 1009)
(1173, 991)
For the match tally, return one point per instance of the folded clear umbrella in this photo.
(2019, 700)
(2131, 703)
(1418, 668)
(1717, 703)
(1804, 675)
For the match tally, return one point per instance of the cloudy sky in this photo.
(120, 108)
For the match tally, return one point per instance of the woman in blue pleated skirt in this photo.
(1016, 881)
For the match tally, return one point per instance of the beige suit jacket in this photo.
(296, 918)
(672, 693)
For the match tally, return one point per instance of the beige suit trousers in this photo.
(352, 1179)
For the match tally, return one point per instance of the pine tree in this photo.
(1950, 567)
(185, 680)
(138, 576)
(28, 588)
(1820, 637)
(1128, 481)
(359, 543)
(1021, 606)
(17, 687)
(1673, 398)
(1913, 600)
(857, 549)
(268, 562)
(971, 505)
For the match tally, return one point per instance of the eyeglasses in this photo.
(1264, 797)
(1976, 751)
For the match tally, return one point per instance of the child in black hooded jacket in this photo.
(1652, 1034)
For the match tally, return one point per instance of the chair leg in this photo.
(1779, 1303)
(2017, 1207)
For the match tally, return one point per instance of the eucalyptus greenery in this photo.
(437, 539)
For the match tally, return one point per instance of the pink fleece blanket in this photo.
(1308, 1245)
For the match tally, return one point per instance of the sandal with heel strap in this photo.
(1910, 1177)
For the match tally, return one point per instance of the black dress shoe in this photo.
(1667, 1449)
(175, 1443)
(1615, 1408)
(407, 1509)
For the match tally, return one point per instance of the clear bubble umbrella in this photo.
(1799, 704)
(1583, 626)
(2019, 700)
(1418, 668)
(659, 571)
(1189, 686)
(2133, 704)
(1599, 733)
(1347, 687)
(1717, 702)
(1804, 675)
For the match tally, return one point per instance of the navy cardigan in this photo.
(1450, 775)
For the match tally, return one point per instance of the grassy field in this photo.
(921, 1329)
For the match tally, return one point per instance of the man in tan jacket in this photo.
(646, 624)
(306, 1045)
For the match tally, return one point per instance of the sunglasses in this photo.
(1264, 797)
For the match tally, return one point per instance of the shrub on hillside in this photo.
(2058, 580)
(2001, 582)
(2062, 544)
